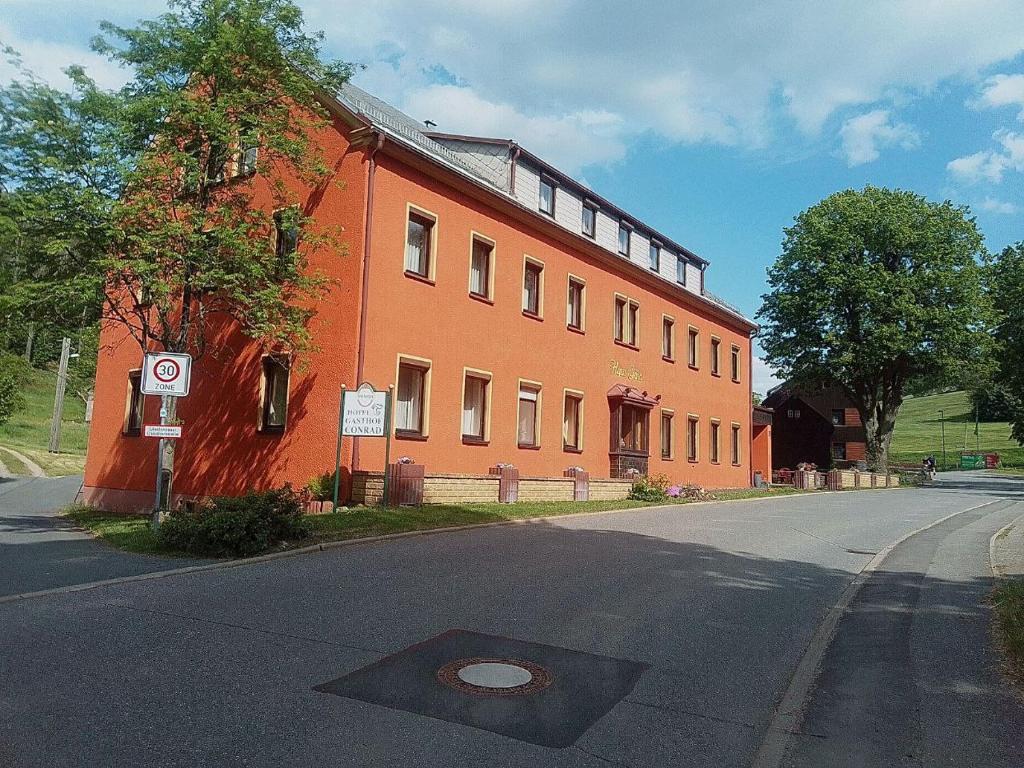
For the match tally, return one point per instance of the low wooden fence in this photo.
(836, 479)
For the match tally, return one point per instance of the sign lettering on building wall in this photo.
(632, 374)
(363, 412)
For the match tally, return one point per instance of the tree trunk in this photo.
(29, 341)
(878, 427)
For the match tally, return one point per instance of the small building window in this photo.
(839, 451)
(286, 234)
(135, 405)
(589, 220)
(572, 422)
(627, 320)
(480, 262)
(692, 438)
(666, 435)
(410, 400)
(735, 452)
(838, 416)
(419, 245)
(529, 414)
(474, 408)
(274, 408)
(655, 256)
(633, 429)
(574, 304)
(624, 238)
(716, 356)
(547, 196)
(533, 288)
(668, 334)
(793, 413)
(692, 355)
(715, 441)
(680, 270)
(248, 153)
(735, 363)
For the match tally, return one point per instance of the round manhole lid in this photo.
(494, 677)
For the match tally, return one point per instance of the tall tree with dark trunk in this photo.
(874, 289)
(1005, 279)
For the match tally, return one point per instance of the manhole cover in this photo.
(495, 677)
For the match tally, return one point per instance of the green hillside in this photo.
(28, 430)
(919, 431)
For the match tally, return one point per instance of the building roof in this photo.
(404, 129)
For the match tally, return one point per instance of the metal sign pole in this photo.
(387, 442)
(337, 450)
(161, 448)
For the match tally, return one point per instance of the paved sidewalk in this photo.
(1008, 550)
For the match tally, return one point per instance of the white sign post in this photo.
(167, 374)
(364, 412)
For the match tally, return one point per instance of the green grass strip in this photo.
(1008, 604)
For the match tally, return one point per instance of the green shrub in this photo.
(321, 487)
(13, 372)
(650, 488)
(238, 526)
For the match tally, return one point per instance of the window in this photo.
(275, 395)
(623, 239)
(589, 220)
(474, 407)
(692, 438)
(735, 363)
(286, 234)
(480, 261)
(793, 413)
(716, 430)
(547, 196)
(533, 287)
(692, 357)
(247, 156)
(135, 406)
(668, 334)
(574, 304)
(529, 413)
(735, 443)
(419, 245)
(838, 416)
(839, 451)
(572, 421)
(680, 270)
(716, 356)
(666, 435)
(633, 429)
(627, 318)
(411, 399)
(655, 256)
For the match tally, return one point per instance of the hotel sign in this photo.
(364, 412)
(631, 374)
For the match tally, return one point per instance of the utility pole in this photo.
(58, 398)
(977, 436)
(942, 422)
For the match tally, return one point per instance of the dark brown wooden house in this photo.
(820, 427)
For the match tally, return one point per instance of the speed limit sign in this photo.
(166, 373)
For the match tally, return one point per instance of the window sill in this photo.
(131, 433)
(735, 381)
(527, 447)
(546, 213)
(668, 358)
(628, 452)
(416, 436)
(654, 269)
(627, 345)
(574, 329)
(624, 255)
(418, 277)
(736, 464)
(693, 461)
(716, 375)
(590, 235)
(533, 316)
(571, 449)
(471, 440)
(668, 458)
(716, 463)
(481, 298)
(272, 431)
(693, 367)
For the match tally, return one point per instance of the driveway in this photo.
(686, 624)
(39, 549)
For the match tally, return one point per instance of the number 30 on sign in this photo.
(166, 373)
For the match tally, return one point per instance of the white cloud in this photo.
(763, 378)
(993, 205)
(863, 136)
(990, 165)
(47, 60)
(1002, 91)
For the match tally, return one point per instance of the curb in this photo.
(997, 568)
(789, 712)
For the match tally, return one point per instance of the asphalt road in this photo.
(41, 550)
(716, 602)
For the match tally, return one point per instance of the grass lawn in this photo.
(1008, 604)
(918, 432)
(28, 430)
(135, 535)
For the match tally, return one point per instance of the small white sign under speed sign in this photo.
(166, 373)
(363, 412)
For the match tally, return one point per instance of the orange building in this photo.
(521, 318)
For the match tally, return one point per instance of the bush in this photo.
(13, 372)
(321, 487)
(689, 493)
(238, 526)
(650, 488)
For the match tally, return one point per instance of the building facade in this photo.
(823, 428)
(520, 318)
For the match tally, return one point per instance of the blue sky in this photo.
(714, 122)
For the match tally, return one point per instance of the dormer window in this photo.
(624, 231)
(589, 220)
(547, 196)
(680, 270)
(655, 256)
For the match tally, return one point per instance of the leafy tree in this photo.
(12, 376)
(1006, 286)
(874, 289)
